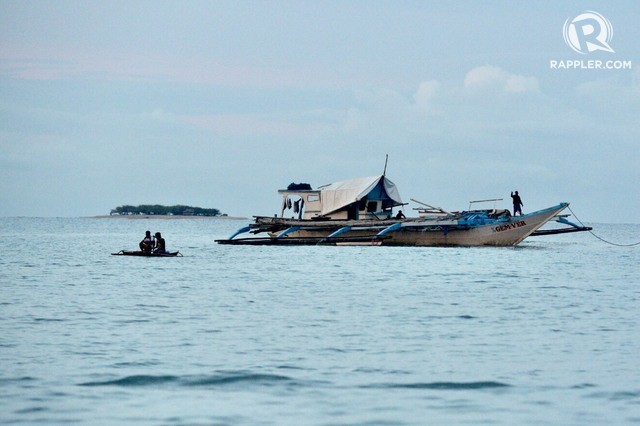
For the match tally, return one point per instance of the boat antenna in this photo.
(384, 173)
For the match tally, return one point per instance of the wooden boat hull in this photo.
(146, 254)
(466, 231)
(509, 233)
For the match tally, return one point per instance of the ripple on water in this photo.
(248, 379)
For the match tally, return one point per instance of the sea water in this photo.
(544, 333)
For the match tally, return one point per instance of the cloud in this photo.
(277, 124)
(484, 76)
(521, 84)
(452, 109)
(488, 76)
(427, 91)
(26, 62)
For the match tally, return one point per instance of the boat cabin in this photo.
(358, 199)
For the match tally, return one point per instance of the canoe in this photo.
(146, 254)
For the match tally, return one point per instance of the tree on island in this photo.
(157, 209)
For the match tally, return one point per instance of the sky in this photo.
(219, 104)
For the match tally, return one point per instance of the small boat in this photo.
(147, 254)
(360, 212)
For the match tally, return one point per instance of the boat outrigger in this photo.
(360, 212)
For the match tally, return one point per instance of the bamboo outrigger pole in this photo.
(440, 209)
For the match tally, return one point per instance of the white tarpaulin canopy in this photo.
(340, 194)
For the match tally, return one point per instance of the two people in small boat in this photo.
(517, 203)
(155, 245)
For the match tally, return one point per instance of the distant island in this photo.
(159, 210)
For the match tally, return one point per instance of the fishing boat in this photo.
(360, 212)
(147, 253)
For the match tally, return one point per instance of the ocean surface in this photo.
(546, 333)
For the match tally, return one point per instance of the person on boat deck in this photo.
(400, 215)
(517, 203)
(160, 244)
(147, 242)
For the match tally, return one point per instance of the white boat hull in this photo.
(441, 232)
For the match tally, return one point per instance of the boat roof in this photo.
(340, 194)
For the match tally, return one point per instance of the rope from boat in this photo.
(600, 238)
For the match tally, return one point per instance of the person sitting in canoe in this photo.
(146, 245)
(160, 246)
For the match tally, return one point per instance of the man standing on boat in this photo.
(517, 203)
